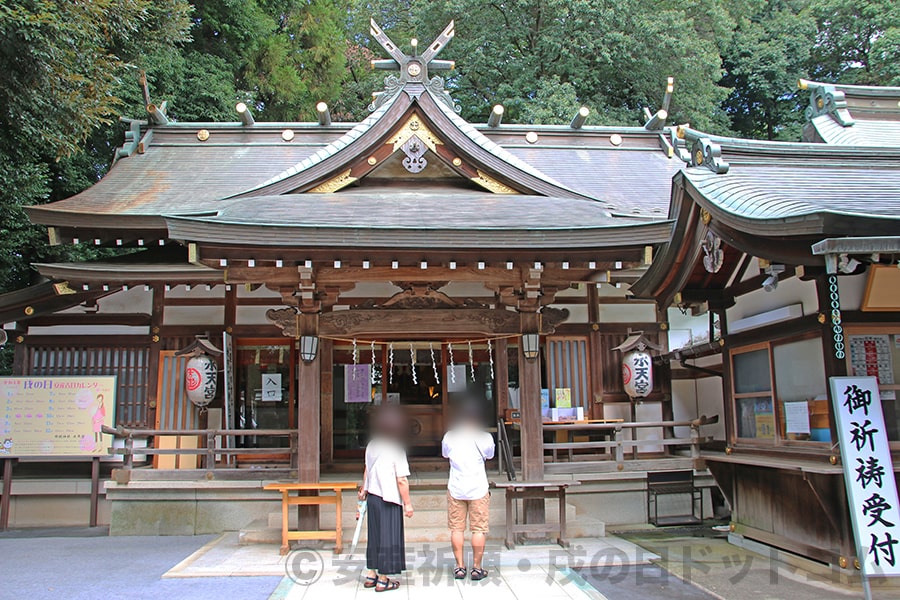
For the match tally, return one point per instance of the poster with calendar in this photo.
(56, 416)
(870, 355)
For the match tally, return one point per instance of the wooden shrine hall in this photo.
(324, 268)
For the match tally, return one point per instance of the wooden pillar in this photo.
(7, 489)
(157, 314)
(532, 421)
(501, 377)
(308, 420)
(595, 350)
(326, 352)
(20, 358)
(664, 371)
(834, 366)
(95, 490)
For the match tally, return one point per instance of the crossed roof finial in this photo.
(414, 67)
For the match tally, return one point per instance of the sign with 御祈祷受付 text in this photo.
(868, 474)
(56, 416)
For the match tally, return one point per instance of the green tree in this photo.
(768, 53)
(61, 64)
(849, 46)
(615, 56)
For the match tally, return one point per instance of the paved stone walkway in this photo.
(540, 571)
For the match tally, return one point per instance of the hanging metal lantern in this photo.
(200, 379)
(637, 365)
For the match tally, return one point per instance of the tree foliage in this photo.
(68, 70)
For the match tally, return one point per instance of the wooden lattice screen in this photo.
(567, 366)
(173, 409)
(129, 363)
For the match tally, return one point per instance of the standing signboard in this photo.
(56, 416)
(868, 475)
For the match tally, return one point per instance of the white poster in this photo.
(796, 417)
(271, 387)
(868, 474)
(456, 380)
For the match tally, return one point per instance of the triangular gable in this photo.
(413, 112)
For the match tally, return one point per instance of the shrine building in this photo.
(414, 257)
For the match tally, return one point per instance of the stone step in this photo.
(259, 532)
(423, 517)
(428, 524)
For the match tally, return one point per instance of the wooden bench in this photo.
(529, 490)
(288, 500)
(668, 483)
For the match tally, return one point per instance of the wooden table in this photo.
(288, 500)
(526, 490)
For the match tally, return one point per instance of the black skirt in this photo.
(385, 550)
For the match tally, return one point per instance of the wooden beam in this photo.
(126, 319)
(605, 257)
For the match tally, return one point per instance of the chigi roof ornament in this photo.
(413, 68)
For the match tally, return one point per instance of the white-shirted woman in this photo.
(386, 491)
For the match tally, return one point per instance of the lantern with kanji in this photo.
(637, 365)
(200, 372)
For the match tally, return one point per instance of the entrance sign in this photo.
(56, 416)
(868, 475)
(271, 387)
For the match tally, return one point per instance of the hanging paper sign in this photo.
(200, 379)
(456, 378)
(868, 474)
(271, 387)
(637, 374)
(357, 385)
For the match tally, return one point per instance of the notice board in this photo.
(56, 416)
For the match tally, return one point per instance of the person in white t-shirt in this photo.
(385, 489)
(468, 446)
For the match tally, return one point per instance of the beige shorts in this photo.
(478, 512)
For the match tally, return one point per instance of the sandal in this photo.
(370, 582)
(478, 574)
(387, 585)
(459, 573)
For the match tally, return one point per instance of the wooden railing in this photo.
(619, 444)
(210, 451)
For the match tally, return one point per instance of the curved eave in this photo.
(51, 217)
(139, 273)
(811, 223)
(312, 236)
(674, 260)
(748, 151)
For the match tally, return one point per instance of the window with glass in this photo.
(780, 392)
(264, 389)
(875, 351)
